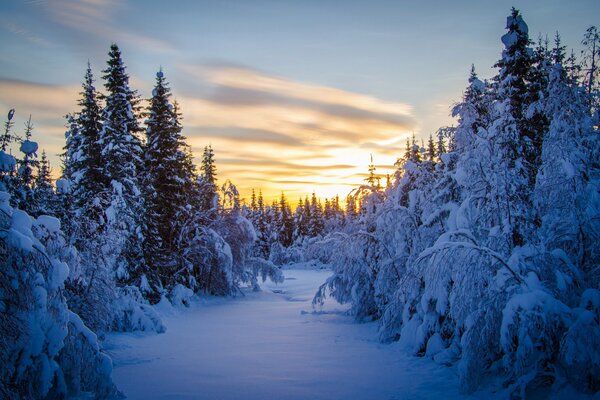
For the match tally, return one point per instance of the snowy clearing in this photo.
(270, 345)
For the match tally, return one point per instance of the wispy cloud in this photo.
(256, 120)
(268, 132)
(99, 19)
(24, 33)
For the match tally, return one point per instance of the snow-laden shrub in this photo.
(35, 326)
(580, 346)
(206, 262)
(181, 296)
(323, 249)
(283, 256)
(533, 324)
(84, 368)
(354, 263)
(133, 313)
(259, 268)
(452, 290)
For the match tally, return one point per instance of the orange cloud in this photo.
(249, 117)
(278, 135)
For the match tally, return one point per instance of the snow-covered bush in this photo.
(38, 333)
(354, 263)
(323, 249)
(283, 256)
(580, 346)
(181, 296)
(133, 313)
(206, 261)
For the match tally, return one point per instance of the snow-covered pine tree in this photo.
(262, 246)
(168, 183)
(45, 199)
(207, 183)
(84, 155)
(299, 231)
(564, 189)
(7, 161)
(516, 133)
(23, 198)
(591, 60)
(122, 163)
(316, 223)
(90, 288)
(285, 222)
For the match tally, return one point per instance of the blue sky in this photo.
(292, 95)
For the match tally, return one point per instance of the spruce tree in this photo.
(591, 59)
(285, 222)
(431, 153)
(121, 153)
(7, 161)
(85, 150)
(25, 178)
(316, 221)
(45, 201)
(517, 133)
(168, 182)
(208, 184)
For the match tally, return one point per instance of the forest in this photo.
(481, 252)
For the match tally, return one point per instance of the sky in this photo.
(293, 96)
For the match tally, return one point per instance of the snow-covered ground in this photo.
(271, 345)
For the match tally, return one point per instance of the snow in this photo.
(7, 162)
(63, 186)
(510, 39)
(180, 295)
(271, 344)
(60, 272)
(52, 224)
(29, 147)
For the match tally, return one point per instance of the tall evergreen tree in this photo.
(516, 132)
(285, 222)
(45, 201)
(84, 150)
(121, 164)
(168, 182)
(208, 183)
(316, 224)
(25, 178)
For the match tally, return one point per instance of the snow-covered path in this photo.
(270, 345)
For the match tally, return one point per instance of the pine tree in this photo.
(84, 162)
(253, 205)
(373, 180)
(299, 225)
(7, 136)
(121, 153)
(591, 58)
(431, 153)
(8, 163)
(168, 183)
(518, 132)
(316, 217)
(262, 245)
(285, 222)
(208, 183)
(45, 200)
(25, 178)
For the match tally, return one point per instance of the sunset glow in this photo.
(307, 121)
